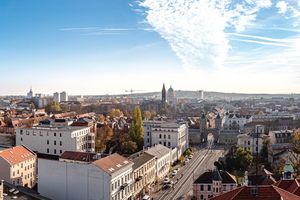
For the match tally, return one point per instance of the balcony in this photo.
(124, 186)
(139, 178)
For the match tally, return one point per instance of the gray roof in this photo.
(141, 159)
(158, 150)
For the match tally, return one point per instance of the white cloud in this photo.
(195, 29)
(282, 7)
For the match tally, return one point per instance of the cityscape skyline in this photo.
(245, 47)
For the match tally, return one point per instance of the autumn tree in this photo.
(296, 150)
(101, 118)
(136, 131)
(147, 115)
(104, 134)
(115, 113)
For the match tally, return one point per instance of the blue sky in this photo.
(108, 46)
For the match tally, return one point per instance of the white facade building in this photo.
(253, 141)
(108, 178)
(163, 159)
(54, 140)
(56, 97)
(170, 134)
(235, 121)
(64, 96)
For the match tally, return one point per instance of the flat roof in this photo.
(57, 128)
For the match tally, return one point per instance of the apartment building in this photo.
(81, 175)
(18, 166)
(170, 134)
(143, 174)
(163, 157)
(54, 140)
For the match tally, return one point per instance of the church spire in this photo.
(163, 96)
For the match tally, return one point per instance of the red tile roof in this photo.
(16, 154)
(269, 192)
(292, 186)
(112, 163)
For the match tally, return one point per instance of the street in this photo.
(202, 161)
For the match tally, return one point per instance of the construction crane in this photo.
(132, 91)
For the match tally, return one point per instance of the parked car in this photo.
(166, 180)
(191, 156)
(174, 172)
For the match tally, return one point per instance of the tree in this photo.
(104, 135)
(264, 155)
(147, 114)
(296, 150)
(296, 142)
(53, 107)
(240, 160)
(115, 113)
(128, 147)
(101, 118)
(136, 131)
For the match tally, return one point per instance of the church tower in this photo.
(163, 96)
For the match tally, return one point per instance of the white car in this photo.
(174, 172)
(166, 180)
(191, 156)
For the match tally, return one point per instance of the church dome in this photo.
(170, 89)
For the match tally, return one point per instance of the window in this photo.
(60, 143)
(201, 187)
(54, 142)
(169, 144)
(47, 141)
(60, 151)
(21, 139)
(201, 197)
(164, 136)
(59, 134)
(54, 151)
(47, 150)
(209, 188)
(21, 132)
(169, 136)
(54, 134)
(159, 136)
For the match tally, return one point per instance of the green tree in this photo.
(53, 107)
(240, 160)
(136, 131)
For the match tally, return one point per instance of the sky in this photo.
(109, 46)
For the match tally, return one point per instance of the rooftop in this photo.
(16, 154)
(79, 156)
(207, 177)
(56, 128)
(141, 159)
(158, 150)
(269, 192)
(112, 163)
